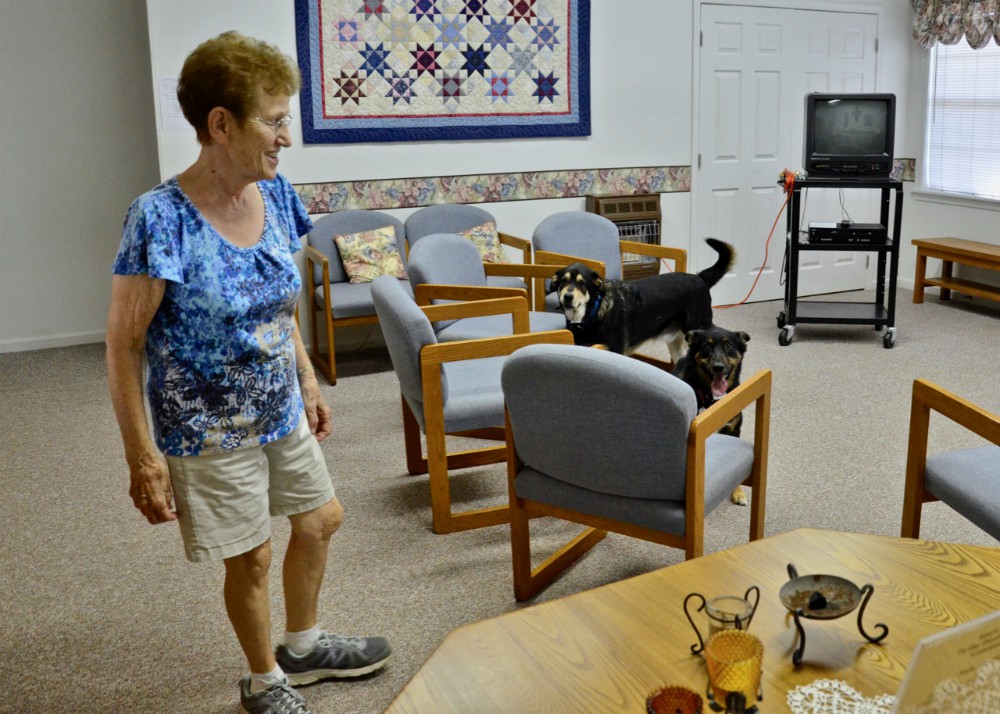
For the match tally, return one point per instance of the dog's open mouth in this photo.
(720, 385)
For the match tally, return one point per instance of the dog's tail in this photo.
(727, 256)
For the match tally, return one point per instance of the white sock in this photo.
(260, 682)
(302, 643)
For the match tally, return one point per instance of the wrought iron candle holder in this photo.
(825, 597)
(724, 612)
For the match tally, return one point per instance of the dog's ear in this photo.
(693, 335)
(598, 282)
(744, 336)
(555, 281)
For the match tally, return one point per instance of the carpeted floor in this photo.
(102, 612)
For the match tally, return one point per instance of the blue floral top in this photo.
(220, 350)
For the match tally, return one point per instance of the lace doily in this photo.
(832, 696)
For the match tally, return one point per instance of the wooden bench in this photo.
(950, 251)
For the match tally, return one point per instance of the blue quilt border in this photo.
(313, 132)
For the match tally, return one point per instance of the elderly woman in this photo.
(204, 283)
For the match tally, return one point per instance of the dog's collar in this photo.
(705, 398)
(592, 312)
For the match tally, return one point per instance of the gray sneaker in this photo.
(334, 656)
(279, 699)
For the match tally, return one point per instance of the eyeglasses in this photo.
(278, 124)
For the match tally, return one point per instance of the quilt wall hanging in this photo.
(431, 70)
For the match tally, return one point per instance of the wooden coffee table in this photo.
(605, 649)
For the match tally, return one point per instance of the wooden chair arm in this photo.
(522, 270)
(436, 354)
(665, 365)
(424, 293)
(534, 275)
(927, 395)
(660, 252)
(516, 307)
(563, 259)
(517, 243)
(719, 414)
(315, 256)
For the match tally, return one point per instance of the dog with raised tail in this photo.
(622, 315)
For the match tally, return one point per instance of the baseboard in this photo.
(51, 341)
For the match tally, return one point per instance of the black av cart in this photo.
(877, 238)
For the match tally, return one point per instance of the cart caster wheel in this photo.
(889, 338)
(785, 336)
(781, 320)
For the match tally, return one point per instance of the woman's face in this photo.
(258, 143)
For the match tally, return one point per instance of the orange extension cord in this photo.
(789, 177)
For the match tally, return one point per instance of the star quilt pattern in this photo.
(413, 70)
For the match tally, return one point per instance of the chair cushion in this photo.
(369, 254)
(354, 299)
(968, 480)
(728, 462)
(471, 328)
(485, 238)
(475, 400)
(505, 281)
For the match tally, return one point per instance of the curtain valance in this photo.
(947, 22)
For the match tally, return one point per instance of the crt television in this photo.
(849, 134)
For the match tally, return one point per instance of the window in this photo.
(963, 127)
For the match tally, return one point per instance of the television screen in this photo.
(849, 127)
(849, 135)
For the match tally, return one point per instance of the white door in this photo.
(756, 65)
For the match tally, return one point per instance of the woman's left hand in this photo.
(317, 411)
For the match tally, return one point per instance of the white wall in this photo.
(631, 125)
(76, 145)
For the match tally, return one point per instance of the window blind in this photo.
(963, 134)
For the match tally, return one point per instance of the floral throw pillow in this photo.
(369, 254)
(486, 239)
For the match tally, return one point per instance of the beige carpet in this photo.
(100, 612)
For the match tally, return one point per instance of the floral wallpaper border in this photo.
(491, 188)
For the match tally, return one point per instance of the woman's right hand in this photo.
(150, 488)
(134, 301)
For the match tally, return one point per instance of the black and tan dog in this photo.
(623, 315)
(712, 367)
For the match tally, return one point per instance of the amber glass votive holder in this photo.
(734, 659)
(673, 700)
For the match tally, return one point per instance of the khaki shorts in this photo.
(225, 500)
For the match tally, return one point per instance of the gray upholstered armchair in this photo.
(328, 286)
(445, 265)
(571, 236)
(616, 444)
(458, 218)
(967, 480)
(451, 389)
